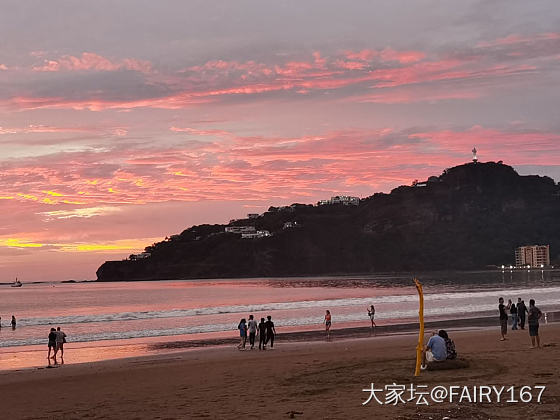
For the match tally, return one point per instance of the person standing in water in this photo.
(252, 326)
(13, 322)
(270, 331)
(262, 334)
(328, 322)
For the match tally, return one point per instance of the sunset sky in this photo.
(122, 122)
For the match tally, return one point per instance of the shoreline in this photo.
(19, 358)
(317, 379)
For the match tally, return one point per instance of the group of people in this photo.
(328, 321)
(264, 330)
(518, 314)
(12, 322)
(57, 338)
(439, 348)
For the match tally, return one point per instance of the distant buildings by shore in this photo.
(534, 256)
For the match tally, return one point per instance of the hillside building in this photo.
(257, 234)
(240, 229)
(533, 256)
(341, 199)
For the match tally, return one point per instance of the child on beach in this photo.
(534, 315)
(242, 333)
(328, 323)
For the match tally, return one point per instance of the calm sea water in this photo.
(115, 311)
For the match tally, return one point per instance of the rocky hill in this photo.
(472, 216)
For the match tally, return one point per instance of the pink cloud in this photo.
(92, 61)
(217, 80)
(519, 39)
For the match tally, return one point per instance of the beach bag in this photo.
(450, 346)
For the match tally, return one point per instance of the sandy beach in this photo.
(314, 380)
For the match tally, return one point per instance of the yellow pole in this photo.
(420, 345)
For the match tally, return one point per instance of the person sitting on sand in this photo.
(262, 334)
(328, 323)
(371, 314)
(503, 318)
(449, 345)
(533, 318)
(52, 343)
(270, 331)
(242, 333)
(435, 351)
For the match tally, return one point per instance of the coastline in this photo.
(316, 378)
(33, 356)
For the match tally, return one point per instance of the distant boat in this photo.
(16, 283)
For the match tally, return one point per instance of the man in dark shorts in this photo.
(503, 318)
(52, 343)
(270, 331)
(521, 312)
(533, 319)
(262, 334)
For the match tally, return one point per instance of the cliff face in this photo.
(471, 216)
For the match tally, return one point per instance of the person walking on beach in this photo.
(252, 326)
(52, 343)
(242, 333)
(533, 319)
(503, 318)
(60, 340)
(270, 331)
(513, 313)
(521, 312)
(13, 322)
(328, 323)
(371, 314)
(262, 334)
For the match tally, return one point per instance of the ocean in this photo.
(102, 314)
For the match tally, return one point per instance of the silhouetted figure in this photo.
(270, 331)
(521, 312)
(534, 315)
(52, 344)
(262, 334)
(13, 322)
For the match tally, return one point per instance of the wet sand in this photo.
(320, 380)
